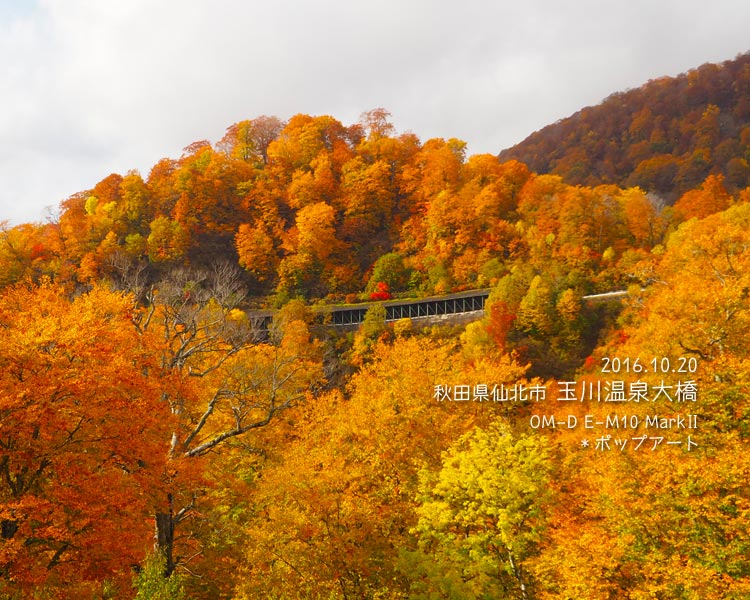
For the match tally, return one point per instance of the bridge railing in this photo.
(460, 303)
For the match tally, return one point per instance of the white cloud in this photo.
(97, 86)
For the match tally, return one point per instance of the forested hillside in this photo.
(154, 444)
(319, 210)
(665, 137)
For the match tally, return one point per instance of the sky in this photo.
(93, 87)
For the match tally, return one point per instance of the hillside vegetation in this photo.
(665, 136)
(315, 209)
(154, 444)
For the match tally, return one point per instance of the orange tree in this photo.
(81, 427)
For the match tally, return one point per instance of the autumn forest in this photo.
(157, 442)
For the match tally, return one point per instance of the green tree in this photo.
(389, 269)
(152, 585)
(481, 517)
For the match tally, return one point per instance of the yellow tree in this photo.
(481, 516)
(334, 505)
(644, 223)
(167, 241)
(28, 251)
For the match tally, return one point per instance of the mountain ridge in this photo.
(665, 136)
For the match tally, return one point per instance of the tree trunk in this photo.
(8, 529)
(518, 575)
(165, 537)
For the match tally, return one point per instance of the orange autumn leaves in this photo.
(668, 523)
(115, 414)
(109, 417)
(81, 443)
(307, 208)
(372, 489)
(665, 136)
(333, 509)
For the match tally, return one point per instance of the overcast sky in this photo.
(92, 87)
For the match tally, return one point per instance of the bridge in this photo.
(461, 303)
(423, 308)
